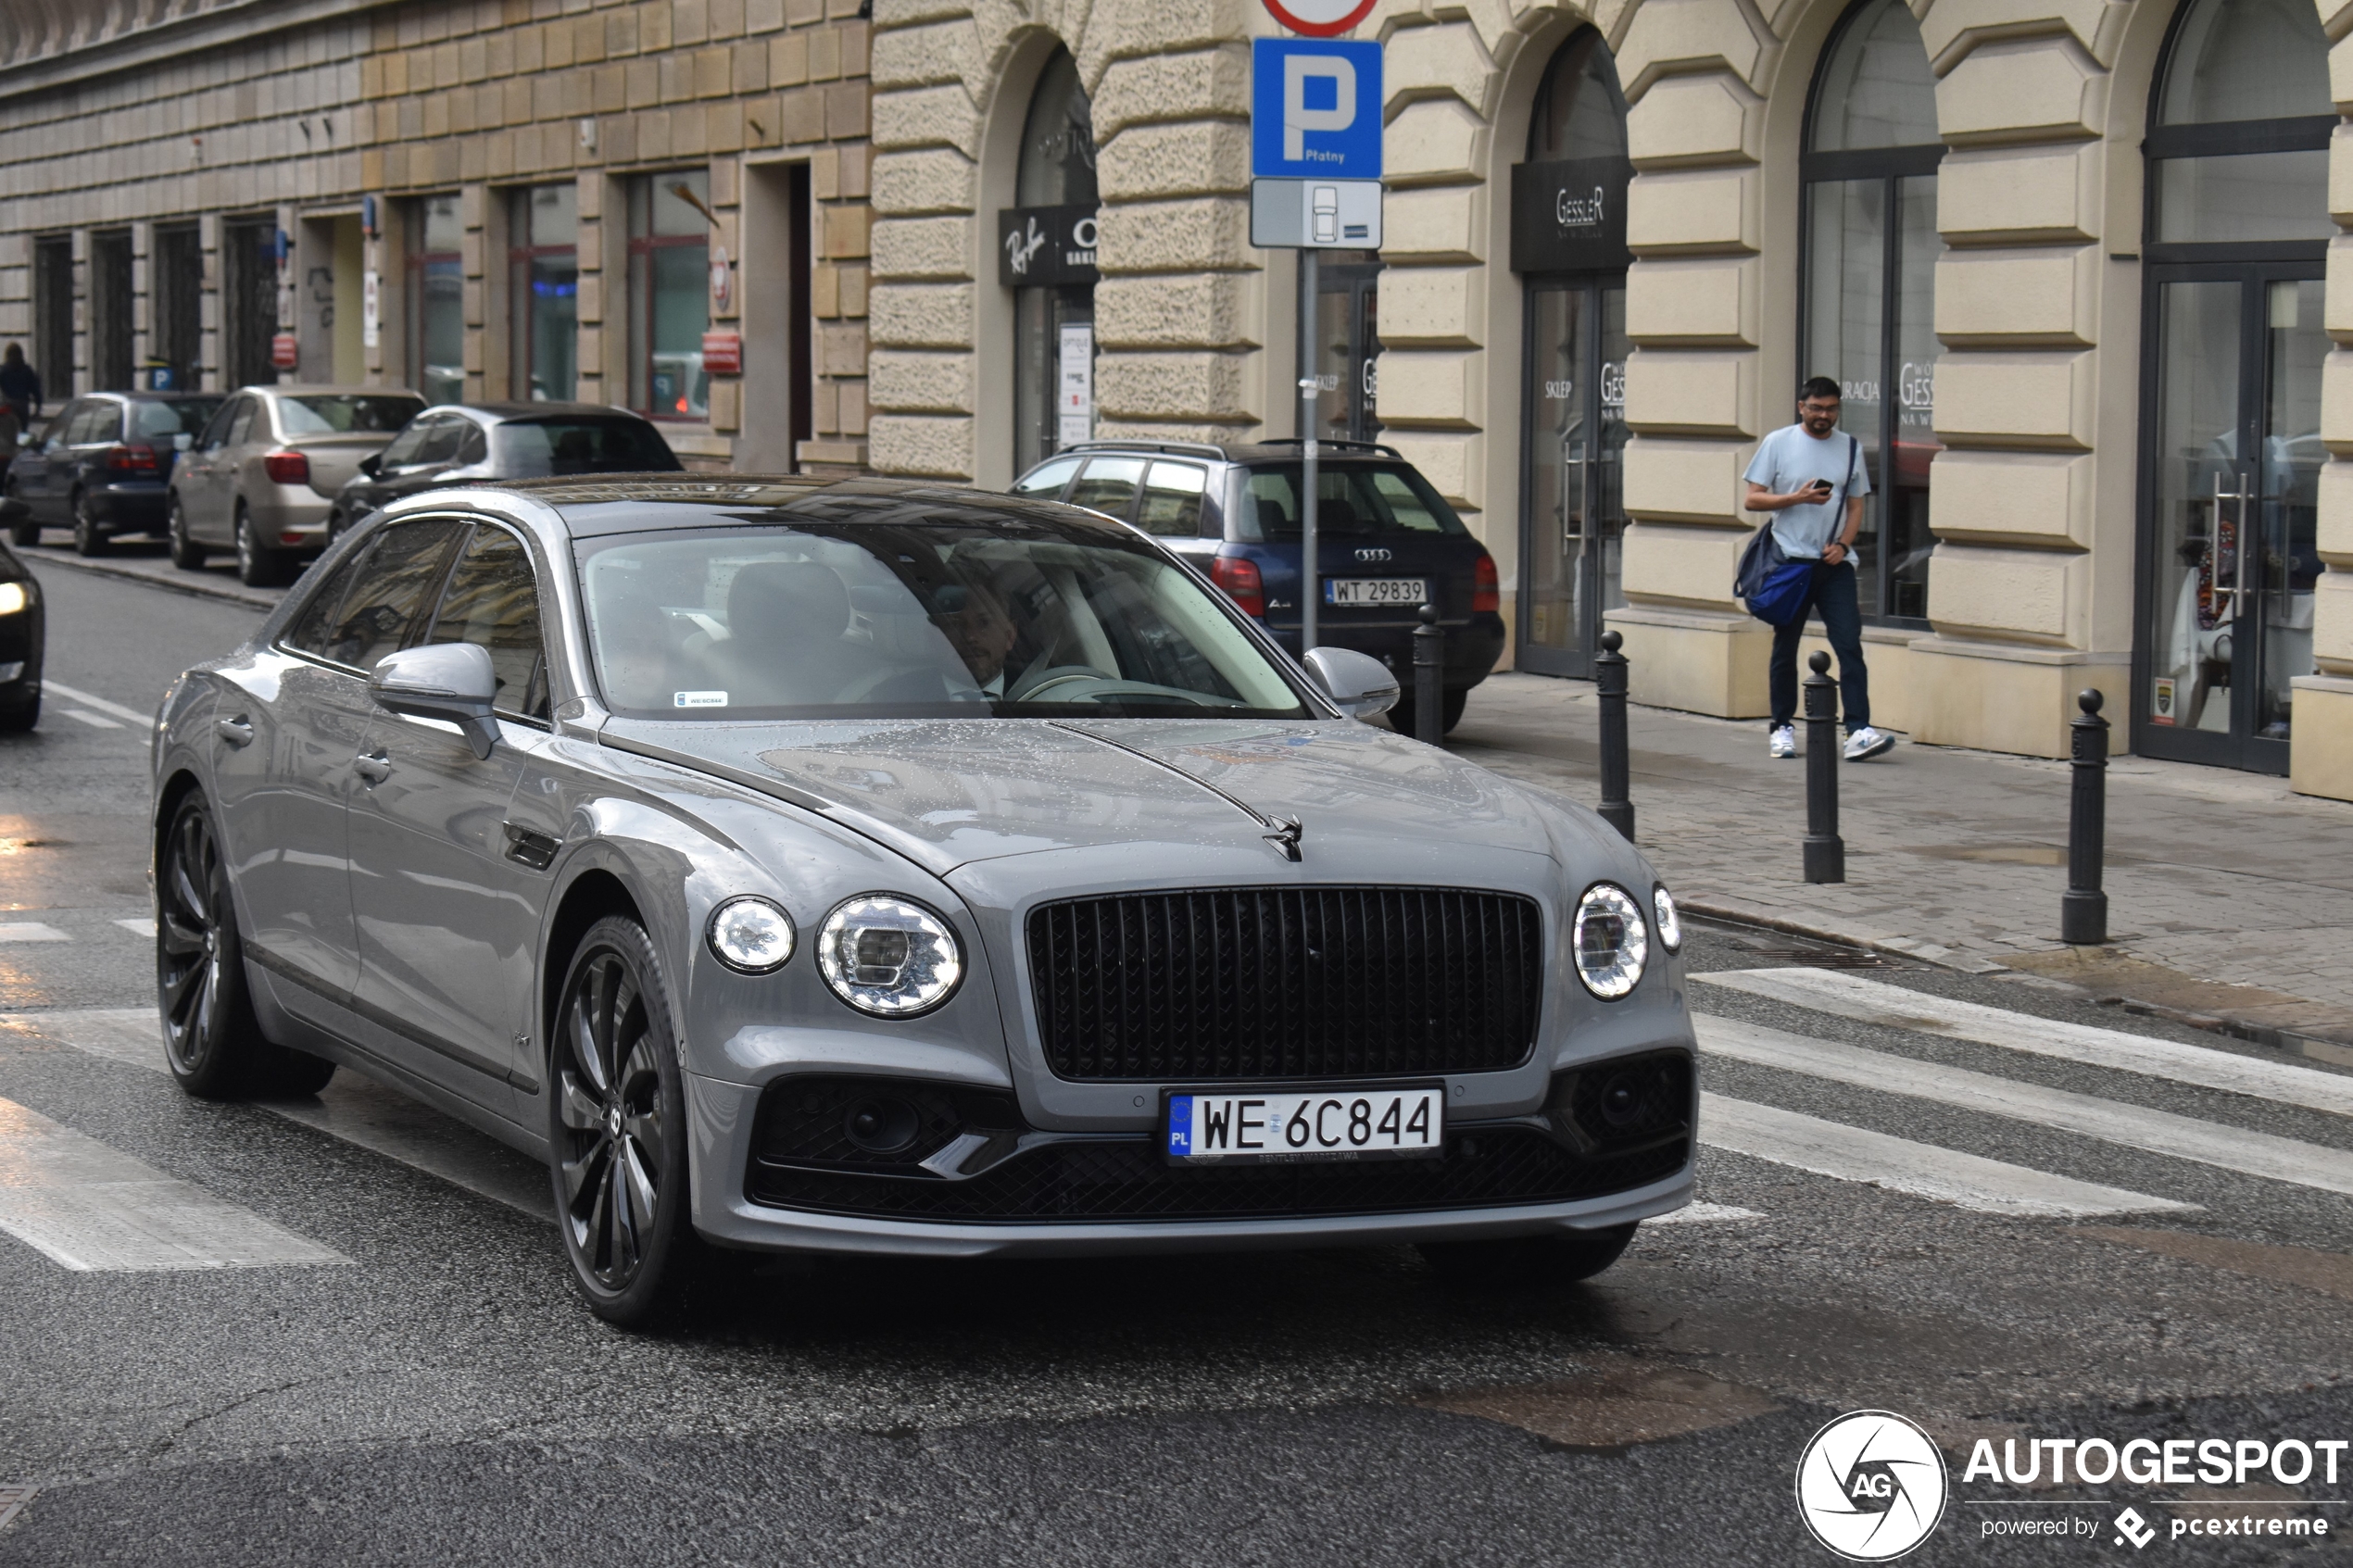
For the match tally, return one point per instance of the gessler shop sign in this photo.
(1569, 214)
(1046, 246)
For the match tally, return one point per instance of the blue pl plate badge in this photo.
(1180, 1126)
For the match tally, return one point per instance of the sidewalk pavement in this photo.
(147, 563)
(2230, 898)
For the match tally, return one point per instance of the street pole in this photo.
(1824, 851)
(1609, 685)
(2084, 911)
(1310, 588)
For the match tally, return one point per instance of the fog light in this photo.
(1621, 1100)
(881, 1126)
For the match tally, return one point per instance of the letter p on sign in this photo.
(1297, 118)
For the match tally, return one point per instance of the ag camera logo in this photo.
(1871, 1485)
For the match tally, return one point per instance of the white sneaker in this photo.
(1782, 744)
(1866, 743)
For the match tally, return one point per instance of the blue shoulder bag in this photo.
(1769, 583)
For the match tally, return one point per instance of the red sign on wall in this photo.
(284, 351)
(722, 354)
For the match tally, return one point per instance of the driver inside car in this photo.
(981, 628)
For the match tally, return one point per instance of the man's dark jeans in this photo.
(1831, 596)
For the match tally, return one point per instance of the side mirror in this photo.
(371, 465)
(1358, 683)
(451, 680)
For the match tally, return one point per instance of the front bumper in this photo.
(1036, 1193)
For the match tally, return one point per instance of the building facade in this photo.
(2072, 266)
(481, 199)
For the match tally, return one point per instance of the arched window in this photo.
(1049, 260)
(1869, 173)
(2236, 253)
(1568, 245)
(2238, 143)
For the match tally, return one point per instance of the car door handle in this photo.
(373, 766)
(236, 731)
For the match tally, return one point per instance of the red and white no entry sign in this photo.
(1319, 19)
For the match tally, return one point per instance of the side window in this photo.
(1109, 485)
(106, 423)
(405, 446)
(1048, 480)
(87, 421)
(441, 441)
(1172, 499)
(216, 433)
(54, 438)
(472, 445)
(494, 603)
(398, 582)
(309, 633)
(240, 422)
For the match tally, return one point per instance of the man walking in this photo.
(1813, 479)
(19, 386)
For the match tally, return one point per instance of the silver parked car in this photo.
(880, 866)
(262, 477)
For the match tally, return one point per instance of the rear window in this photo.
(186, 417)
(327, 415)
(1357, 499)
(530, 448)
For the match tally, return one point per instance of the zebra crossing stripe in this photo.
(91, 1208)
(1898, 1007)
(1856, 1154)
(2133, 1126)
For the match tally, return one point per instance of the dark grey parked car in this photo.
(879, 866)
(469, 443)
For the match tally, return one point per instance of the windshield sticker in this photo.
(698, 700)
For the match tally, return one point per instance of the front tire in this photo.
(89, 535)
(1452, 702)
(1523, 1262)
(17, 720)
(617, 1132)
(212, 1039)
(25, 533)
(186, 554)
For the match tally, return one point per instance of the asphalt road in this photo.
(428, 1389)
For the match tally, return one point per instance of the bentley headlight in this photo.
(1612, 942)
(888, 957)
(751, 935)
(1670, 924)
(13, 597)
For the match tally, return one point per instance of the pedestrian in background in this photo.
(19, 386)
(1812, 478)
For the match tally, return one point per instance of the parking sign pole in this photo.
(1310, 588)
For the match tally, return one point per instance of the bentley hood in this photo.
(1337, 796)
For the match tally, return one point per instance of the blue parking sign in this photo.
(1315, 108)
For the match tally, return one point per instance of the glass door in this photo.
(1572, 507)
(2230, 556)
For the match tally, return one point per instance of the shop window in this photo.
(437, 299)
(175, 275)
(53, 318)
(2239, 150)
(1869, 302)
(670, 221)
(249, 301)
(1049, 262)
(543, 225)
(111, 360)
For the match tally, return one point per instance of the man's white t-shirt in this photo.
(1786, 461)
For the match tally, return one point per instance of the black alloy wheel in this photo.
(26, 531)
(89, 533)
(212, 1039)
(618, 1131)
(186, 554)
(1528, 1261)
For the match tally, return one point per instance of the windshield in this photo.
(345, 415)
(529, 448)
(1357, 499)
(179, 416)
(915, 620)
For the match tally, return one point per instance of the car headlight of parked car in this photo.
(13, 597)
(1670, 923)
(751, 935)
(889, 956)
(1612, 941)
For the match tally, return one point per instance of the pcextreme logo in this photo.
(1871, 1485)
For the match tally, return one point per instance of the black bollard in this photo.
(1430, 666)
(2084, 912)
(1824, 851)
(1610, 683)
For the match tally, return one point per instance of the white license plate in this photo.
(1408, 590)
(1221, 1128)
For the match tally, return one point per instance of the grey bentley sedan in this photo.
(875, 867)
